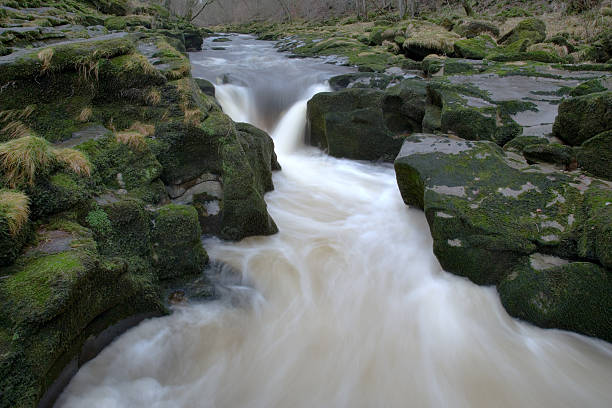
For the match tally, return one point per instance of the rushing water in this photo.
(346, 306)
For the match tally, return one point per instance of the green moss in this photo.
(177, 249)
(583, 117)
(549, 153)
(520, 142)
(130, 235)
(475, 48)
(531, 28)
(572, 297)
(99, 223)
(588, 87)
(60, 192)
(595, 155)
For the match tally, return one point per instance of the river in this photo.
(346, 306)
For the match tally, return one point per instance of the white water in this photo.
(349, 308)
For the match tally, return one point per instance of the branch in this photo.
(208, 2)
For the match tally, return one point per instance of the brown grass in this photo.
(85, 115)
(75, 160)
(142, 128)
(15, 206)
(45, 57)
(15, 130)
(153, 98)
(192, 117)
(134, 140)
(22, 159)
(17, 114)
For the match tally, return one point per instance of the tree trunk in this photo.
(402, 8)
(467, 7)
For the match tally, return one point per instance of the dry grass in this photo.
(17, 114)
(433, 37)
(134, 140)
(22, 159)
(45, 57)
(192, 117)
(88, 69)
(153, 98)
(559, 50)
(75, 160)
(143, 128)
(15, 206)
(15, 130)
(85, 115)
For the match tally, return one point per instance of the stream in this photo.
(346, 306)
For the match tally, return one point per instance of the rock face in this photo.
(583, 117)
(155, 162)
(483, 204)
(366, 124)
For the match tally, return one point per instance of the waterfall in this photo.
(345, 307)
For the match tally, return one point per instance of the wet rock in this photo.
(595, 155)
(588, 87)
(584, 117)
(574, 296)
(360, 80)
(531, 29)
(474, 28)
(520, 142)
(550, 153)
(206, 86)
(483, 204)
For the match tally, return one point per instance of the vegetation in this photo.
(15, 207)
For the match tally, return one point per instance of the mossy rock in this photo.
(594, 229)
(5, 50)
(573, 297)
(206, 86)
(11, 245)
(119, 74)
(115, 7)
(487, 210)
(583, 117)
(474, 28)
(360, 80)
(588, 87)
(476, 48)
(429, 40)
(119, 166)
(595, 155)
(520, 142)
(467, 112)
(58, 193)
(532, 28)
(176, 240)
(549, 153)
(376, 36)
(129, 231)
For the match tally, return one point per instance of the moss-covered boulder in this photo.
(519, 143)
(554, 153)
(57, 193)
(426, 39)
(583, 117)
(366, 123)
(175, 236)
(595, 155)
(55, 299)
(531, 28)
(474, 28)
(588, 87)
(206, 86)
(574, 296)
(593, 232)
(475, 48)
(469, 113)
(360, 80)
(482, 204)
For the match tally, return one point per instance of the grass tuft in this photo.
(45, 57)
(75, 160)
(143, 129)
(15, 206)
(22, 159)
(153, 98)
(133, 139)
(15, 130)
(85, 115)
(192, 117)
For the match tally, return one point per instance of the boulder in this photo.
(583, 117)
(206, 86)
(532, 29)
(176, 241)
(570, 296)
(366, 124)
(475, 48)
(474, 28)
(595, 155)
(554, 153)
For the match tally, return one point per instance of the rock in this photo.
(468, 113)
(583, 117)
(491, 205)
(175, 237)
(474, 28)
(588, 87)
(549, 153)
(206, 86)
(366, 124)
(11, 244)
(475, 48)
(193, 40)
(595, 155)
(573, 297)
(360, 80)
(532, 29)
(430, 39)
(520, 142)
(57, 193)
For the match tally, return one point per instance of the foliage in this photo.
(15, 207)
